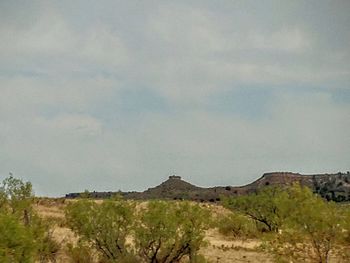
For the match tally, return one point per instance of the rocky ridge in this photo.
(334, 187)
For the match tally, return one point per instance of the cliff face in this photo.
(334, 187)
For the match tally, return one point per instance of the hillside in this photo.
(334, 187)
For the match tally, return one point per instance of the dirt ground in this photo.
(219, 249)
(222, 250)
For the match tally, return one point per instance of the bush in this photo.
(16, 241)
(106, 226)
(304, 227)
(312, 230)
(237, 226)
(47, 246)
(81, 253)
(170, 231)
(264, 207)
(24, 236)
(161, 232)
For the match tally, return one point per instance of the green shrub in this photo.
(171, 231)
(106, 226)
(237, 226)
(264, 207)
(16, 241)
(311, 232)
(303, 226)
(24, 236)
(80, 253)
(48, 247)
(162, 232)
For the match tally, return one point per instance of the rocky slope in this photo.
(334, 187)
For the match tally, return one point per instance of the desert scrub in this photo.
(80, 253)
(158, 232)
(263, 207)
(237, 226)
(313, 231)
(105, 226)
(171, 232)
(24, 236)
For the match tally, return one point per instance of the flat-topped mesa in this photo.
(335, 186)
(176, 177)
(279, 178)
(281, 174)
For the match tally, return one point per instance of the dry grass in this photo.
(224, 250)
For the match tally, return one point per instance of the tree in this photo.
(263, 207)
(237, 225)
(170, 231)
(16, 241)
(24, 236)
(17, 198)
(311, 231)
(307, 228)
(106, 226)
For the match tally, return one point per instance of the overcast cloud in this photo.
(109, 95)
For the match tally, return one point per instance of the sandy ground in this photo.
(219, 249)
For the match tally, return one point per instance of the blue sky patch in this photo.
(250, 103)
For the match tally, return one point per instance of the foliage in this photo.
(161, 232)
(80, 253)
(47, 246)
(304, 227)
(15, 240)
(16, 198)
(311, 231)
(263, 207)
(24, 236)
(106, 226)
(237, 226)
(170, 231)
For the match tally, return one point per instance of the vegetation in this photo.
(264, 207)
(80, 253)
(237, 226)
(308, 229)
(295, 225)
(169, 231)
(105, 226)
(163, 232)
(24, 236)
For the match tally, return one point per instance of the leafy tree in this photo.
(24, 236)
(16, 241)
(237, 226)
(311, 231)
(16, 197)
(106, 226)
(161, 232)
(170, 231)
(307, 228)
(263, 207)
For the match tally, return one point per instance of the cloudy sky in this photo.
(109, 95)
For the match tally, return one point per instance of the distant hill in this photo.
(334, 187)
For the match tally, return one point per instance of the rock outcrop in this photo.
(334, 187)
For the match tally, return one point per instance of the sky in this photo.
(118, 95)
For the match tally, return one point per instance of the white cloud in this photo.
(288, 40)
(61, 71)
(303, 134)
(23, 96)
(80, 125)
